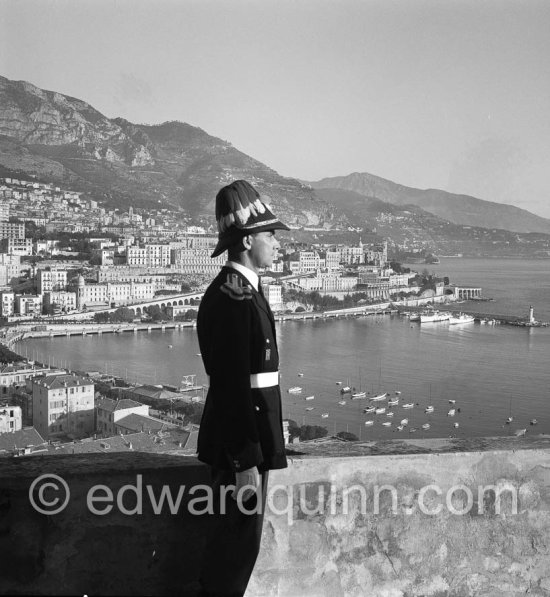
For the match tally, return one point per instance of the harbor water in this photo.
(490, 372)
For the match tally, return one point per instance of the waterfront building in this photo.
(274, 295)
(111, 293)
(62, 300)
(63, 405)
(4, 209)
(10, 418)
(28, 304)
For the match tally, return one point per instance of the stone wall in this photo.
(384, 539)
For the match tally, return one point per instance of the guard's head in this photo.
(240, 211)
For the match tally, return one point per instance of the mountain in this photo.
(458, 209)
(65, 140)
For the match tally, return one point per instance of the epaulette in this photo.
(235, 288)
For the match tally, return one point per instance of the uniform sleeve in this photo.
(230, 380)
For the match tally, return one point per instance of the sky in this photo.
(447, 94)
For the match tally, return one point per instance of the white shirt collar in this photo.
(249, 274)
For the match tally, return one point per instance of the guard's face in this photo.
(263, 249)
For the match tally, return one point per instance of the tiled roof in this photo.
(112, 405)
(133, 442)
(53, 382)
(22, 438)
(136, 423)
(153, 392)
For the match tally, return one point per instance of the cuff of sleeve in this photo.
(246, 457)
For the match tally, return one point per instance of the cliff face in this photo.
(65, 139)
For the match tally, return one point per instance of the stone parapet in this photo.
(380, 519)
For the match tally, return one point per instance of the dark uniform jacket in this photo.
(241, 427)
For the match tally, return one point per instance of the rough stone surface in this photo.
(375, 540)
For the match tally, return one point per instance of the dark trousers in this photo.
(233, 541)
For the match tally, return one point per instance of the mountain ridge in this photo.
(471, 211)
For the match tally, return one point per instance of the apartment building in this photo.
(48, 280)
(63, 405)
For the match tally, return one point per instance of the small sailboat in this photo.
(338, 383)
(369, 409)
(312, 397)
(452, 401)
(509, 420)
(426, 426)
(456, 425)
(357, 395)
(369, 422)
(387, 423)
(345, 390)
(390, 414)
(300, 375)
(380, 411)
(310, 408)
(378, 397)
(408, 405)
(295, 390)
(404, 422)
(451, 412)
(341, 402)
(520, 432)
(429, 409)
(400, 428)
(393, 402)
(397, 393)
(533, 422)
(324, 415)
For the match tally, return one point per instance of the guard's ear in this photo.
(247, 241)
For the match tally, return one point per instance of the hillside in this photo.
(67, 141)
(458, 209)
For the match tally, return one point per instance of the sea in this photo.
(489, 372)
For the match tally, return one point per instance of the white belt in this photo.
(262, 380)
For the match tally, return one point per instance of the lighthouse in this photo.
(531, 314)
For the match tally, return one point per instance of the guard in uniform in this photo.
(241, 433)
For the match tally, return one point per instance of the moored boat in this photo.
(369, 422)
(312, 397)
(434, 317)
(408, 405)
(358, 395)
(378, 397)
(426, 426)
(380, 411)
(451, 412)
(387, 423)
(294, 390)
(324, 415)
(341, 402)
(429, 409)
(393, 402)
(369, 409)
(461, 318)
(533, 422)
(310, 408)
